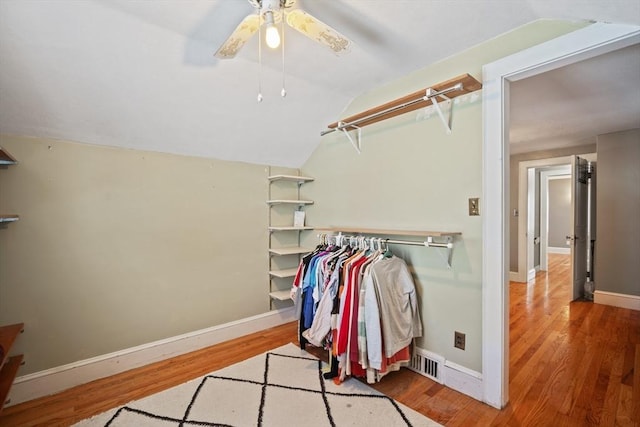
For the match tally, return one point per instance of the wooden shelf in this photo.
(7, 375)
(280, 295)
(289, 251)
(289, 228)
(410, 102)
(6, 158)
(289, 272)
(8, 335)
(417, 233)
(290, 202)
(294, 178)
(9, 366)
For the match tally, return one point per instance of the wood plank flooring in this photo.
(571, 364)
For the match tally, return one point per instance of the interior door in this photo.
(579, 239)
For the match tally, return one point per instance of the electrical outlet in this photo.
(459, 340)
(474, 206)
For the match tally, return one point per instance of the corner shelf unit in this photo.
(284, 249)
(9, 365)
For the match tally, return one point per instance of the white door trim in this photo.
(579, 45)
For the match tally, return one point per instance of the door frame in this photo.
(545, 177)
(523, 216)
(588, 42)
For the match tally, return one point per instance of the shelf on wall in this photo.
(288, 228)
(417, 233)
(280, 295)
(289, 251)
(295, 178)
(453, 88)
(281, 274)
(290, 202)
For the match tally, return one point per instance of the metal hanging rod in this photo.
(429, 242)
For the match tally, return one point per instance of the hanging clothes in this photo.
(361, 305)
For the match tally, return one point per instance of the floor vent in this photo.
(428, 364)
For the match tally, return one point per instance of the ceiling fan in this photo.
(271, 12)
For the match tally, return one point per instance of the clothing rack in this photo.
(369, 237)
(446, 90)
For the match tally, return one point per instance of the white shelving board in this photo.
(294, 178)
(288, 272)
(288, 228)
(280, 295)
(289, 251)
(290, 202)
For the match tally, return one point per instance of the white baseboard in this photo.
(54, 380)
(531, 275)
(463, 380)
(556, 250)
(514, 276)
(617, 300)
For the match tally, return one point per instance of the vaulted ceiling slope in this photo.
(141, 74)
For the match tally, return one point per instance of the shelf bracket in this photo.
(356, 143)
(432, 95)
(448, 245)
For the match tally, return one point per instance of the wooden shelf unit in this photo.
(10, 365)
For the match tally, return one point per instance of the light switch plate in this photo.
(474, 206)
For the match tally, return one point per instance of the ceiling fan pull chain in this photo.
(283, 92)
(260, 58)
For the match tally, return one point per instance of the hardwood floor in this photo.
(571, 364)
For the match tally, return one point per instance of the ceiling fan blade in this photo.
(238, 38)
(318, 31)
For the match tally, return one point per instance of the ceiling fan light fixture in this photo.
(272, 37)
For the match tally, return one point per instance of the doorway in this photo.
(597, 39)
(558, 221)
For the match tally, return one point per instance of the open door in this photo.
(579, 239)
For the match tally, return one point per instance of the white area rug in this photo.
(283, 387)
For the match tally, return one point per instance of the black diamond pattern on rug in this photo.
(291, 392)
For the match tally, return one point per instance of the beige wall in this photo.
(412, 175)
(559, 212)
(618, 213)
(116, 248)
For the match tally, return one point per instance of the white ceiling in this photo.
(575, 103)
(141, 74)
